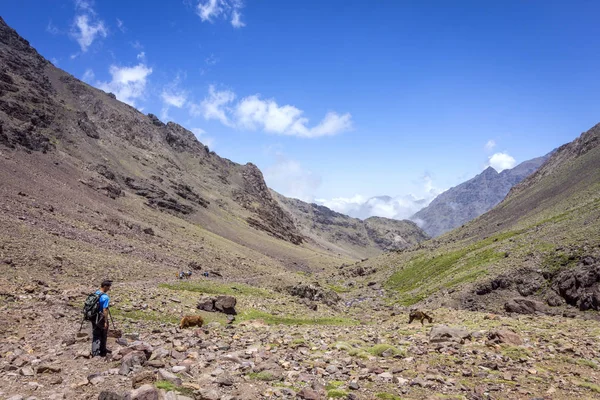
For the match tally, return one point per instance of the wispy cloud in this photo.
(121, 25)
(254, 113)
(52, 29)
(211, 10)
(127, 83)
(201, 135)
(290, 178)
(489, 146)
(88, 76)
(86, 28)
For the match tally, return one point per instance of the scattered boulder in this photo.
(525, 306)
(165, 375)
(443, 333)
(145, 392)
(504, 336)
(143, 378)
(108, 395)
(314, 292)
(224, 304)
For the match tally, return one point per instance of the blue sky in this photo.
(341, 100)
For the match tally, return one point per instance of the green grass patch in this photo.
(379, 349)
(587, 363)
(336, 394)
(588, 385)
(333, 385)
(339, 289)
(515, 352)
(169, 387)
(265, 376)
(289, 320)
(424, 275)
(210, 287)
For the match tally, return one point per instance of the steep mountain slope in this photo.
(472, 198)
(541, 242)
(92, 187)
(348, 235)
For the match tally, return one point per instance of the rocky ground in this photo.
(368, 351)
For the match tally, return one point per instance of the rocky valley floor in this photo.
(280, 349)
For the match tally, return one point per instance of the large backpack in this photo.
(91, 307)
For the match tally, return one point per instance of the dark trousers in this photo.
(99, 336)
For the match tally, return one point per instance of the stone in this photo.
(504, 336)
(143, 378)
(443, 333)
(144, 392)
(44, 368)
(354, 385)
(26, 371)
(225, 380)
(309, 394)
(95, 379)
(108, 395)
(165, 375)
(226, 304)
(525, 306)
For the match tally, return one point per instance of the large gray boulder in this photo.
(443, 333)
(525, 306)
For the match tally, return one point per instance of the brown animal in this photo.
(420, 315)
(191, 320)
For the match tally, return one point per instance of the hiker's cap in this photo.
(106, 282)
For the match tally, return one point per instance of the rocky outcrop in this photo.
(525, 306)
(580, 286)
(314, 292)
(257, 198)
(443, 333)
(224, 304)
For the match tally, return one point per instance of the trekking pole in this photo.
(112, 321)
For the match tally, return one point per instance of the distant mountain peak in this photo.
(472, 198)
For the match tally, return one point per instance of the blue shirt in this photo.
(104, 300)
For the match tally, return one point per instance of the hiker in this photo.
(180, 274)
(100, 322)
(205, 274)
(189, 274)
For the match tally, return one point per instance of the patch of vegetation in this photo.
(515, 352)
(169, 387)
(165, 385)
(555, 261)
(388, 396)
(333, 385)
(339, 289)
(379, 349)
(336, 394)
(587, 363)
(298, 342)
(210, 287)
(588, 385)
(263, 376)
(426, 275)
(289, 320)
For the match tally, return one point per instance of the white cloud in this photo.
(209, 10)
(215, 105)
(211, 60)
(489, 146)
(399, 207)
(289, 178)
(85, 31)
(85, 5)
(128, 83)
(174, 99)
(236, 22)
(54, 61)
(501, 161)
(141, 56)
(52, 29)
(254, 113)
(88, 76)
(121, 25)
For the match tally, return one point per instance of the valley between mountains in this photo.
(507, 265)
